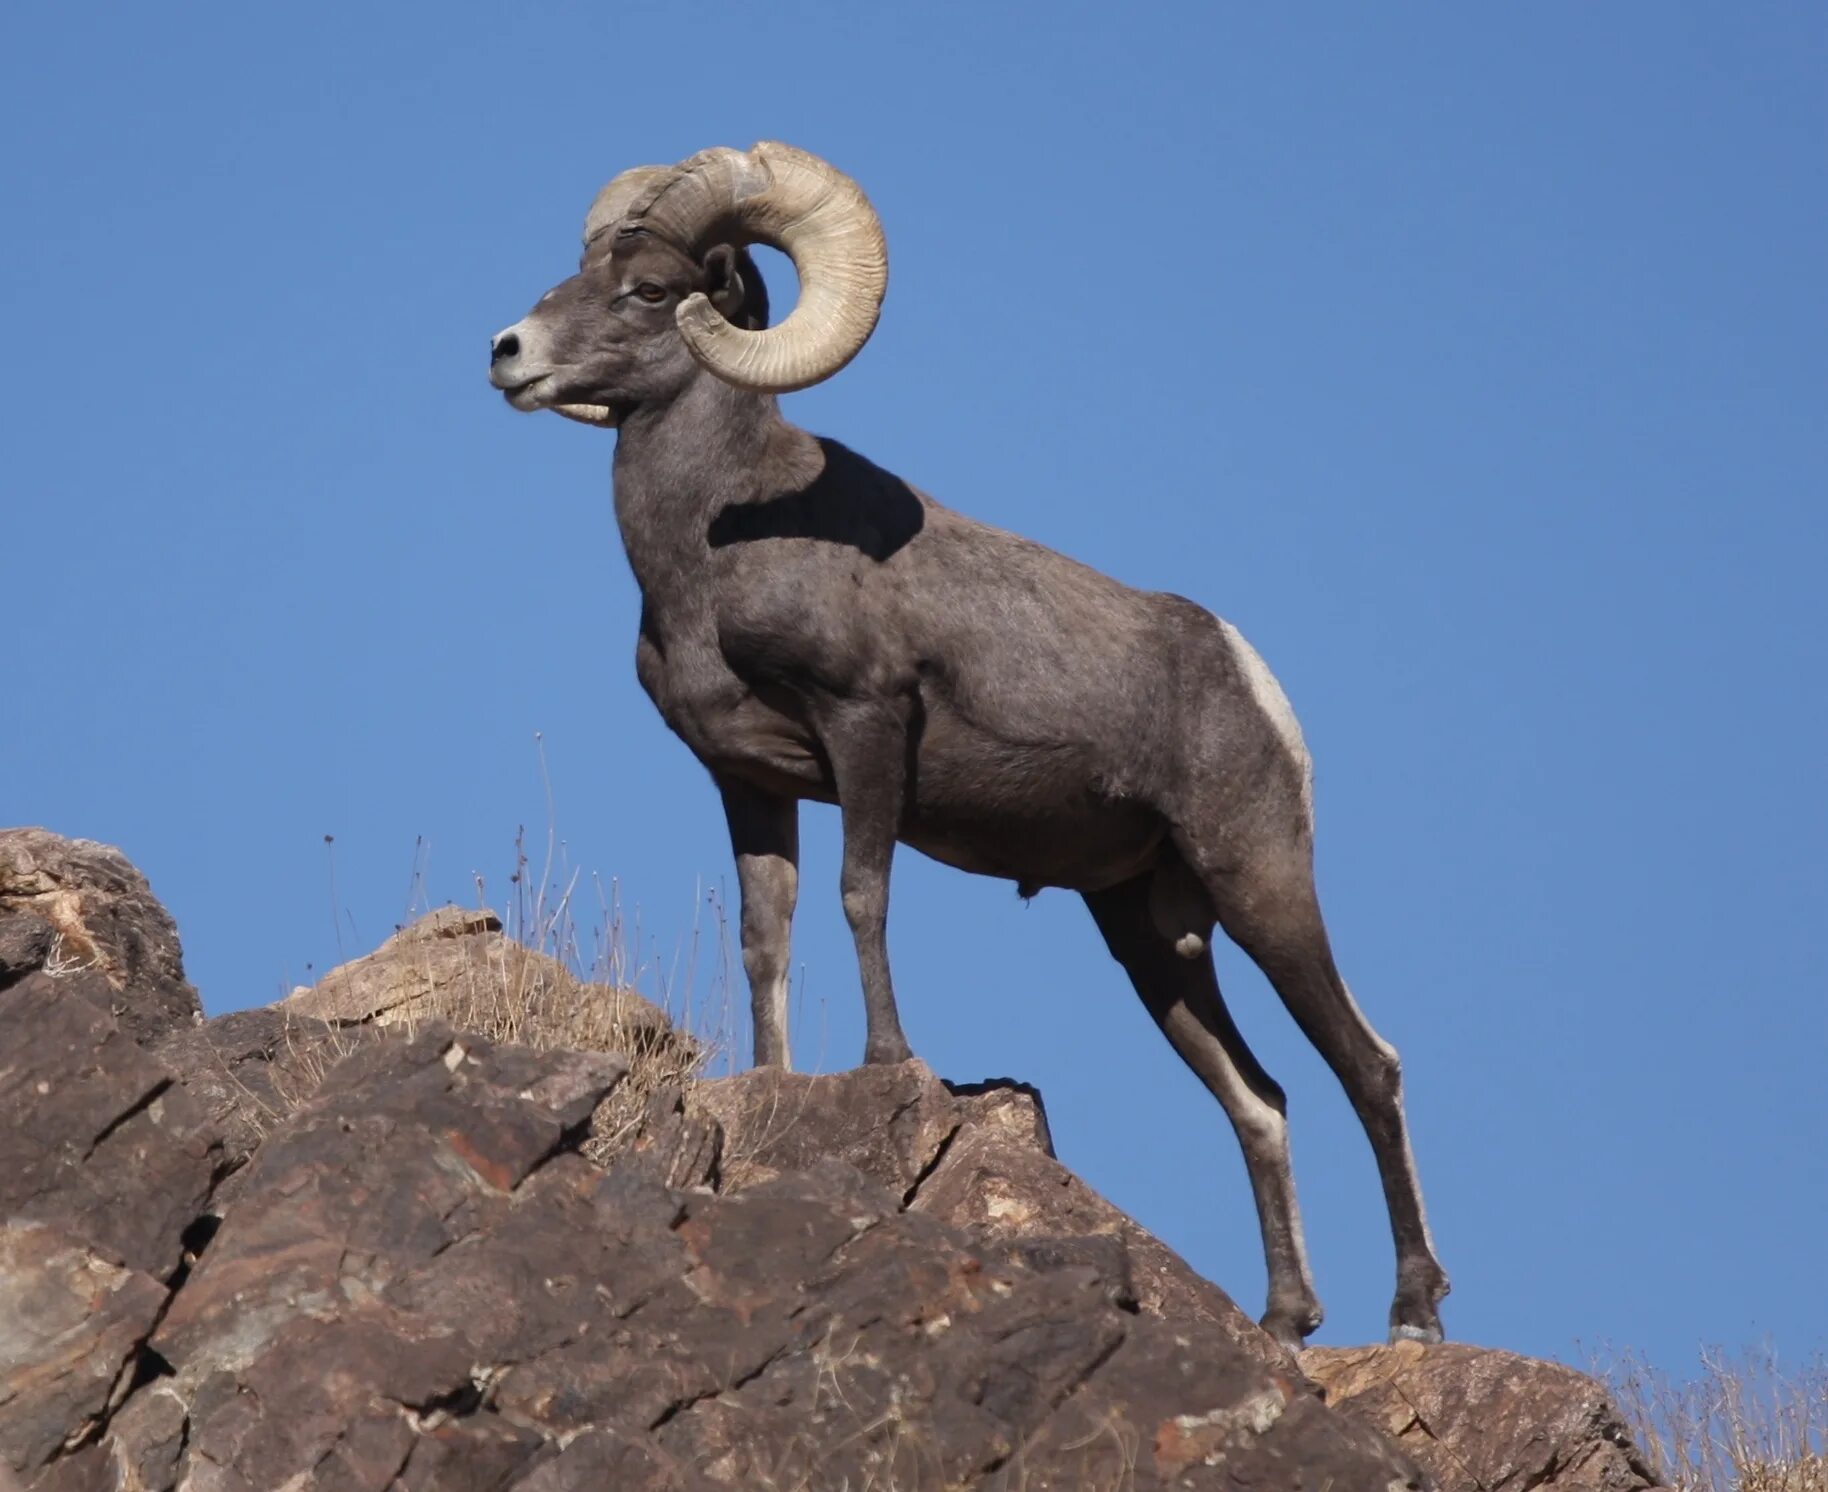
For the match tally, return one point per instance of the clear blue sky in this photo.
(1471, 359)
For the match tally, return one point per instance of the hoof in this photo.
(887, 1056)
(1402, 1332)
(1292, 1328)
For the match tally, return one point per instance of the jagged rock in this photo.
(250, 1069)
(422, 1285)
(1007, 1188)
(600, 1459)
(71, 1325)
(677, 1147)
(409, 1146)
(144, 1442)
(457, 965)
(97, 1139)
(103, 917)
(890, 1121)
(417, 1280)
(1007, 1107)
(919, 1359)
(26, 940)
(1479, 1419)
(977, 1155)
(347, 1402)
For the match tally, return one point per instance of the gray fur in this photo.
(814, 628)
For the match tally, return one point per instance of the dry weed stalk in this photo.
(1746, 1424)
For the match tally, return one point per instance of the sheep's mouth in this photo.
(535, 394)
(526, 396)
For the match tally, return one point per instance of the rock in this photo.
(72, 1324)
(1006, 1188)
(677, 1147)
(600, 1459)
(1479, 1419)
(917, 1359)
(141, 1451)
(458, 966)
(252, 1068)
(422, 1285)
(97, 1139)
(103, 917)
(26, 940)
(979, 1156)
(1010, 1108)
(408, 1147)
(890, 1122)
(345, 1402)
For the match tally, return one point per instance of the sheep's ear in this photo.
(724, 282)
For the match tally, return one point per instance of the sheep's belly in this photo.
(1081, 849)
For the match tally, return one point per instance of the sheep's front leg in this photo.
(765, 833)
(869, 743)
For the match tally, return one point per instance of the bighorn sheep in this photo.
(813, 627)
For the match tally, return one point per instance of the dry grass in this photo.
(567, 971)
(594, 982)
(1746, 1424)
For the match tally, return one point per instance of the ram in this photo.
(814, 628)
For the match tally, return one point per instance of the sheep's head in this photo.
(667, 286)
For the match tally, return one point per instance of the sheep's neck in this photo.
(679, 464)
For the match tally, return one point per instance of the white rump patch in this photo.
(1274, 704)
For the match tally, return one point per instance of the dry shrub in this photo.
(552, 984)
(1746, 1424)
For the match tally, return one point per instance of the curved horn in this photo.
(613, 202)
(814, 214)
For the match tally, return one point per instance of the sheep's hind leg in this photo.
(869, 743)
(1181, 991)
(1267, 905)
(765, 833)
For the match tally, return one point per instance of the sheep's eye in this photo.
(650, 292)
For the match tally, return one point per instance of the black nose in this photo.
(506, 345)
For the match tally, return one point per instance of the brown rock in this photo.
(676, 1146)
(104, 917)
(976, 1155)
(1012, 1109)
(26, 940)
(993, 1180)
(918, 1359)
(360, 1401)
(408, 1147)
(140, 1452)
(600, 1459)
(421, 1285)
(457, 965)
(251, 1069)
(890, 1122)
(1180, 1410)
(72, 1324)
(96, 1138)
(1480, 1419)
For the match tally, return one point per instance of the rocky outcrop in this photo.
(77, 905)
(1479, 1419)
(251, 1069)
(979, 1156)
(457, 965)
(421, 1283)
(279, 1251)
(98, 1141)
(72, 1326)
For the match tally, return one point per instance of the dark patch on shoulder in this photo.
(852, 502)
